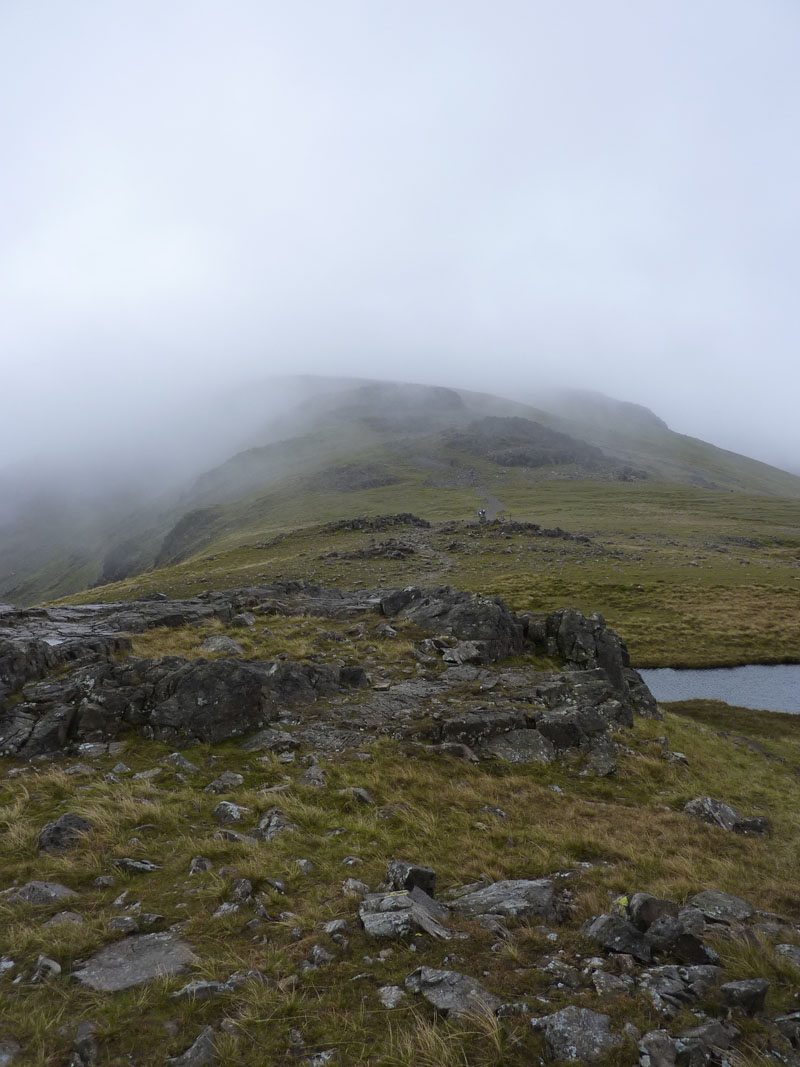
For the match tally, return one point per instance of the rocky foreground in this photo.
(239, 844)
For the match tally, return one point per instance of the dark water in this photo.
(775, 688)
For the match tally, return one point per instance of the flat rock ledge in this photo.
(135, 960)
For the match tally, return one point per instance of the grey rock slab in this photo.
(397, 914)
(702, 1044)
(513, 897)
(578, 1035)
(40, 893)
(62, 834)
(520, 746)
(452, 993)
(139, 959)
(270, 741)
(223, 644)
(669, 935)
(201, 1053)
(721, 907)
(181, 763)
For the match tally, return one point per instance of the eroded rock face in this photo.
(135, 960)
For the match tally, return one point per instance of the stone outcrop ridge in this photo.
(182, 701)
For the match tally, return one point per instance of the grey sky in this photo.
(471, 193)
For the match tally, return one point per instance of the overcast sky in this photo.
(472, 193)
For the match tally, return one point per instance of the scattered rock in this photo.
(227, 813)
(357, 793)
(715, 812)
(270, 741)
(65, 917)
(40, 893)
(391, 995)
(274, 822)
(452, 993)
(201, 1054)
(131, 866)
(227, 781)
(399, 914)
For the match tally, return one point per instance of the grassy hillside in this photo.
(691, 577)
(352, 447)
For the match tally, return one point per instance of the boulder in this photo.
(747, 995)
(577, 1035)
(452, 993)
(670, 936)
(400, 874)
(644, 909)
(138, 959)
(616, 934)
(62, 834)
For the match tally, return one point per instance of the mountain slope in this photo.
(347, 447)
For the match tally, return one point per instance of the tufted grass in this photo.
(628, 829)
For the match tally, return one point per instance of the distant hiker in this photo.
(481, 514)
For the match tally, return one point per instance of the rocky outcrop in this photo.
(44, 707)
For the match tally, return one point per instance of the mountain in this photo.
(328, 448)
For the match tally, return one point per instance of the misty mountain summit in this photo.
(340, 447)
